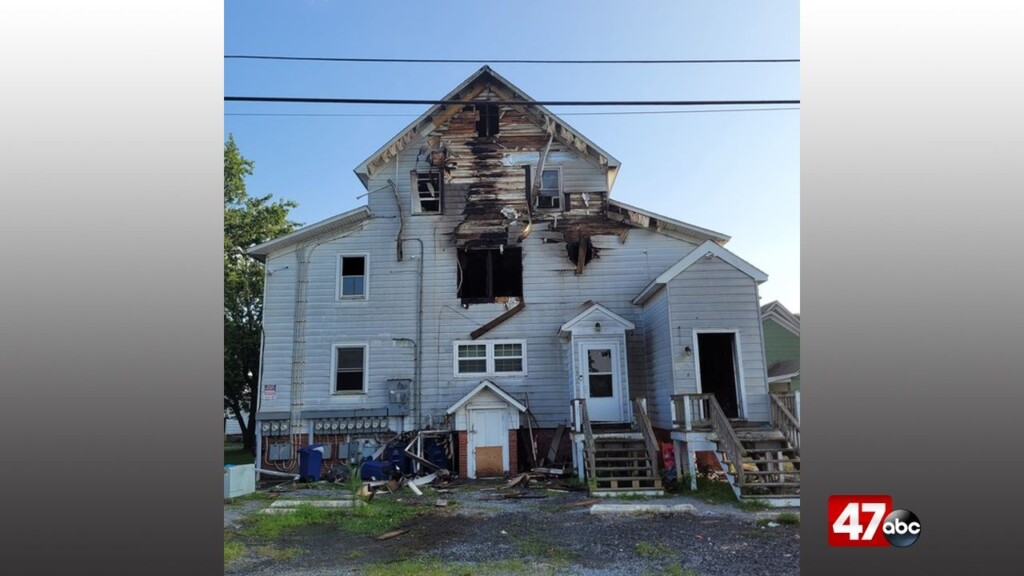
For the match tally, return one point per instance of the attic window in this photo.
(487, 120)
(490, 273)
(550, 195)
(429, 187)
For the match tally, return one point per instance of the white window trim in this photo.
(334, 368)
(561, 187)
(489, 357)
(414, 194)
(366, 278)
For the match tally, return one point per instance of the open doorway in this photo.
(716, 354)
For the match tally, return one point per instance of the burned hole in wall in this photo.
(486, 274)
(589, 251)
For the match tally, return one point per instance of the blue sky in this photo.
(736, 173)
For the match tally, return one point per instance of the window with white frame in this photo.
(550, 195)
(351, 277)
(498, 357)
(349, 368)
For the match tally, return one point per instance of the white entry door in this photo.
(487, 443)
(601, 381)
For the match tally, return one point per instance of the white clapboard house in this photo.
(492, 286)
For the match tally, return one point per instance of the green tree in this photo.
(247, 221)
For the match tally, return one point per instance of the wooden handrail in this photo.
(583, 425)
(785, 421)
(647, 430)
(727, 436)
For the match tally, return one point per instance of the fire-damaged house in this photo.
(492, 292)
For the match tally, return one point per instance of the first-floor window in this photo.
(490, 357)
(349, 369)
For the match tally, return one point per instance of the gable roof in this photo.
(783, 370)
(487, 384)
(332, 224)
(646, 218)
(589, 307)
(782, 316)
(707, 249)
(467, 90)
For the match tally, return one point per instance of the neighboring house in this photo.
(231, 426)
(781, 347)
(492, 285)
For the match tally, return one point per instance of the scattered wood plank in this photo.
(523, 479)
(586, 503)
(549, 471)
(424, 480)
(392, 534)
(556, 440)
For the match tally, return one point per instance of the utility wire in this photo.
(512, 61)
(508, 102)
(623, 113)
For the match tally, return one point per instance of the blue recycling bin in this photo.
(310, 459)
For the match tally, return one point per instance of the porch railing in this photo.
(784, 419)
(701, 411)
(581, 425)
(647, 430)
(691, 411)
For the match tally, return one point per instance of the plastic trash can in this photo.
(310, 459)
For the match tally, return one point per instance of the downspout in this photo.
(418, 356)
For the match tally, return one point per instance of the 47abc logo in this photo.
(870, 521)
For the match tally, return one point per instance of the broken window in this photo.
(349, 369)
(550, 195)
(496, 357)
(429, 187)
(352, 281)
(487, 119)
(489, 273)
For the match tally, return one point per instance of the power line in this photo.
(508, 102)
(624, 112)
(512, 61)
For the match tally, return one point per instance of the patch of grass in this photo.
(538, 547)
(377, 517)
(650, 550)
(278, 554)
(271, 526)
(234, 453)
(255, 496)
(678, 571)
(788, 518)
(752, 505)
(714, 491)
(233, 550)
(353, 554)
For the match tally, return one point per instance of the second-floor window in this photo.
(486, 274)
(550, 195)
(428, 195)
(352, 277)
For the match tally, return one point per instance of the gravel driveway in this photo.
(544, 531)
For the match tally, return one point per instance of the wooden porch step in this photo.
(626, 458)
(786, 448)
(771, 472)
(770, 485)
(645, 468)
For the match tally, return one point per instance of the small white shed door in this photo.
(487, 443)
(601, 379)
